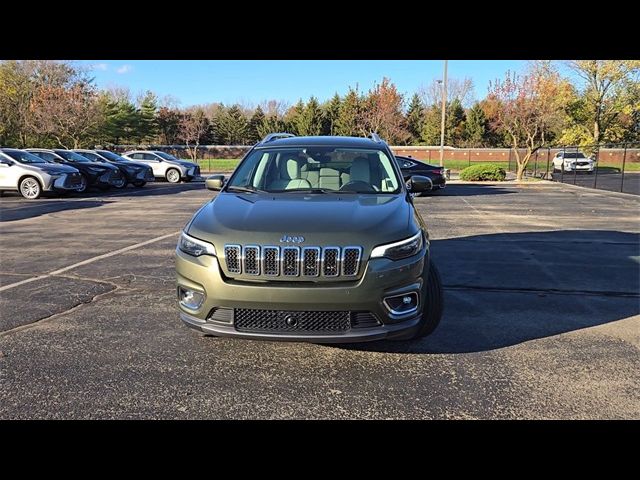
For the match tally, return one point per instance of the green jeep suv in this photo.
(311, 239)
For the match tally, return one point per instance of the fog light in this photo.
(190, 298)
(401, 304)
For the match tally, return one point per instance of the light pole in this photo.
(444, 108)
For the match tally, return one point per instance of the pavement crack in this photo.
(71, 309)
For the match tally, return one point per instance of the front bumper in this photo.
(64, 182)
(192, 173)
(381, 278)
(404, 329)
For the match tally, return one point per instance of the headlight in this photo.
(402, 249)
(195, 247)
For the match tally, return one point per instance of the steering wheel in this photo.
(358, 186)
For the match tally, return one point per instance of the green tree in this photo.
(147, 122)
(454, 123)
(293, 117)
(256, 120)
(430, 132)
(309, 121)
(232, 126)
(271, 124)
(475, 127)
(415, 118)
(121, 119)
(347, 122)
(604, 103)
(331, 112)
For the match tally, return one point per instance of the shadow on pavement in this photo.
(505, 289)
(472, 189)
(31, 209)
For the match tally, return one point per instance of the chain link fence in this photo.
(612, 167)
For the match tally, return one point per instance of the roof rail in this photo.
(375, 137)
(273, 136)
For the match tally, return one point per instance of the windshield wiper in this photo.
(235, 188)
(305, 190)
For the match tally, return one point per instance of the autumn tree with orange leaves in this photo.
(529, 109)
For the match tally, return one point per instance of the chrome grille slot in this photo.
(232, 257)
(271, 260)
(251, 256)
(351, 260)
(290, 261)
(311, 261)
(331, 261)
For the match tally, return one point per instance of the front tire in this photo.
(30, 188)
(84, 183)
(433, 304)
(173, 175)
(139, 184)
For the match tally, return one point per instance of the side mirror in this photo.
(214, 182)
(419, 183)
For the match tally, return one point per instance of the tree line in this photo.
(57, 104)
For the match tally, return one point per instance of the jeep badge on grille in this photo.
(291, 239)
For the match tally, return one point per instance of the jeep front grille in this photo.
(331, 261)
(293, 261)
(271, 260)
(252, 260)
(232, 257)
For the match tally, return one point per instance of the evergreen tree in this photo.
(347, 122)
(271, 124)
(232, 126)
(330, 115)
(147, 125)
(309, 122)
(121, 120)
(430, 132)
(454, 131)
(257, 119)
(415, 118)
(293, 118)
(475, 128)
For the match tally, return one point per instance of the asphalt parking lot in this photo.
(542, 316)
(604, 180)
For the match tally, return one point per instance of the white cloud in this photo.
(124, 69)
(100, 66)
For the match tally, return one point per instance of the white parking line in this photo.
(85, 262)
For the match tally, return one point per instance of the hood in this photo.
(54, 168)
(184, 163)
(322, 219)
(98, 165)
(136, 165)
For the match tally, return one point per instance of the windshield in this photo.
(72, 156)
(94, 157)
(317, 169)
(23, 157)
(574, 155)
(166, 156)
(112, 156)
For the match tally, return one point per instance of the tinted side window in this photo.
(149, 156)
(136, 156)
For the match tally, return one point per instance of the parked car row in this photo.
(35, 170)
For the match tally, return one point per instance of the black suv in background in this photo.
(135, 173)
(101, 175)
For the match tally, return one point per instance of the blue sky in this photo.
(229, 81)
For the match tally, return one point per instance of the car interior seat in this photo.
(289, 170)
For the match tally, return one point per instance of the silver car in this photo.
(31, 175)
(164, 165)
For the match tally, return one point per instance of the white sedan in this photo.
(570, 161)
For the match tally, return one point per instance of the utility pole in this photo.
(444, 108)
